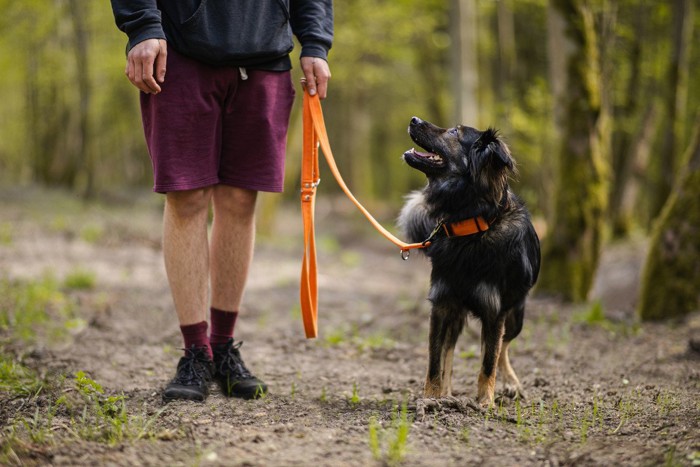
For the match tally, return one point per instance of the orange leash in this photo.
(315, 135)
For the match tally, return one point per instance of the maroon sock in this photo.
(196, 335)
(222, 324)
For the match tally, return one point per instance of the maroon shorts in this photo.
(212, 125)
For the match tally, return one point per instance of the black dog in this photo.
(484, 251)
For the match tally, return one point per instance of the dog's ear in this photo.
(496, 150)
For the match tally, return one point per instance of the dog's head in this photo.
(462, 163)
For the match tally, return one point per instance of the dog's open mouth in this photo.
(425, 157)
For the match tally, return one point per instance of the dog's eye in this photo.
(453, 131)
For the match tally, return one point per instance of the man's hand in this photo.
(145, 65)
(316, 73)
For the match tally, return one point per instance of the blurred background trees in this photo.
(597, 99)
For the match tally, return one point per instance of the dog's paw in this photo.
(514, 392)
(485, 402)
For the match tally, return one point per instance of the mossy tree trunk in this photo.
(572, 247)
(671, 278)
(675, 101)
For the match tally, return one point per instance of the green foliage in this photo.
(390, 444)
(104, 417)
(80, 279)
(92, 233)
(355, 399)
(29, 307)
(17, 379)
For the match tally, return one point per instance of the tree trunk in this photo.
(671, 279)
(572, 248)
(632, 175)
(465, 67)
(79, 11)
(505, 20)
(675, 100)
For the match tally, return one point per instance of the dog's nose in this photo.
(415, 121)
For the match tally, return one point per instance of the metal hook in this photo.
(405, 254)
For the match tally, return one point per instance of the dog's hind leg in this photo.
(513, 324)
(445, 328)
(511, 385)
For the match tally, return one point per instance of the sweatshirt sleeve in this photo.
(139, 19)
(312, 24)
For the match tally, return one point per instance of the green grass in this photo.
(27, 307)
(80, 279)
(355, 399)
(390, 445)
(595, 316)
(18, 380)
(92, 233)
(342, 336)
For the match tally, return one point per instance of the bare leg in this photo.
(233, 238)
(186, 252)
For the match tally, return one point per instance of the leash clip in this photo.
(405, 254)
(435, 231)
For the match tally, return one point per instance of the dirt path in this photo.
(601, 389)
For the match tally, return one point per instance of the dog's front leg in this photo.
(491, 341)
(445, 327)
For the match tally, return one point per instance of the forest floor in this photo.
(89, 338)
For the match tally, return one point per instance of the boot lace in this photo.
(231, 363)
(192, 370)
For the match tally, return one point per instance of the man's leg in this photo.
(232, 241)
(186, 254)
(233, 238)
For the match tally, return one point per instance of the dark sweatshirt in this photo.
(242, 33)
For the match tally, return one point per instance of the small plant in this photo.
(397, 445)
(324, 397)
(665, 402)
(18, 379)
(465, 434)
(92, 233)
(39, 428)
(374, 443)
(80, 279)
(334, 338)
(469, 353)
(104, 418)
(28, 306)
(395, 437)
(595, 314)
(355, 398)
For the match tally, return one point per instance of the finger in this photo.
(136, 75)
(323, 75)
(161, 62)
(310, 81)
(148, 77)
